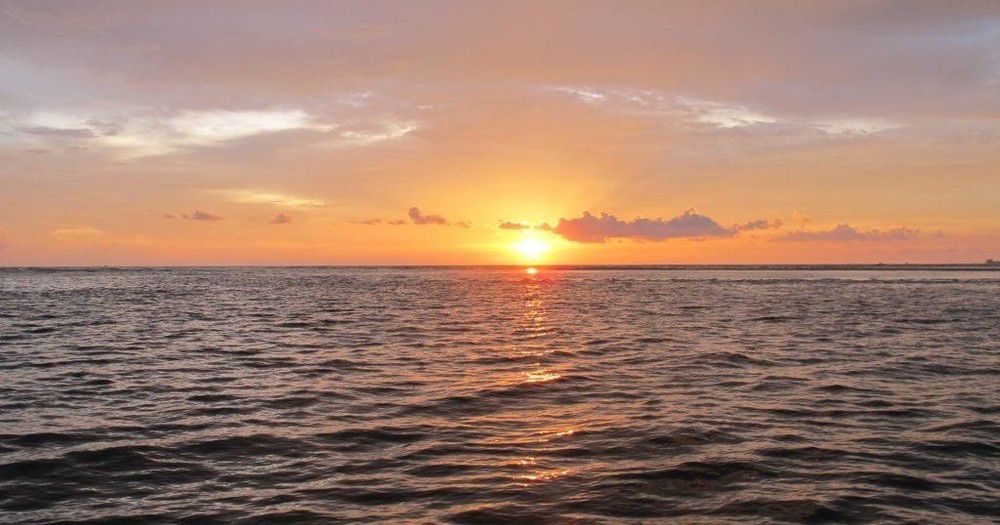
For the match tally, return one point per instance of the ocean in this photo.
(488, 395)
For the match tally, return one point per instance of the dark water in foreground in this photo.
(486, 395)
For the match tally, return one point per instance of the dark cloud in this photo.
(759, 224)
(845, 232)
(507, 225)
(71, 133)
(416, 217)
(589, 228)
(199, 215)
(281, 218)
(419, 218)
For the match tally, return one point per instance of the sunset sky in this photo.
(490, 133)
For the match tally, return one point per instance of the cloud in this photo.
(725, 116)
(199, 215)
(846, 233)
(583, 94)
(507, 225)
(416, 217)
(281, 218)
(79, 233)
(419, 218)
(717, 114)
(72, 133)
(759, 224)
(381, 132)
(219, 125)
(589, 228)
(144, 132)
(149, 135)
(857, 126)
(274, 199)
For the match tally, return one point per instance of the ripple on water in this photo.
(484, 395)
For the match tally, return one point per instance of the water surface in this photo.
(487, 395)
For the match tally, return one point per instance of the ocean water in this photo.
(485, 395)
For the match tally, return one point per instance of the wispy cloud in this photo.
(79, 233)
(583, 94)
(74, 133)
(720, 115)
(145, 135)
(274, 199)
(139, 133)
(219, 125)
(856, 126)
(378, 132)
(845, 232)
(724, 116)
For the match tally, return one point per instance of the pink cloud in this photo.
(589, 228)
(199, 215)
(281, 218)
(419, 218)
(846, 232)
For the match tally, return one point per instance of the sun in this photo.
(531, 248)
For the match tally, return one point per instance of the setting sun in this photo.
(532, 248)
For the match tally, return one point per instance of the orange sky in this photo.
(266, 133)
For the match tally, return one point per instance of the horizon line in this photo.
(987, 265)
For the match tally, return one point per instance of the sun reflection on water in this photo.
(533, 328)
(542, 376)
(546, 475)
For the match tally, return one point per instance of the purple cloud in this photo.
(507, 225)
(199, 215)
(281, 218)
(419, 218)
(759, 224)
(589, 228)
(846, 232)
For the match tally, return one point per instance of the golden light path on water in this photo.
(538, 434)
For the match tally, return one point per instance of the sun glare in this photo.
(531, 248)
